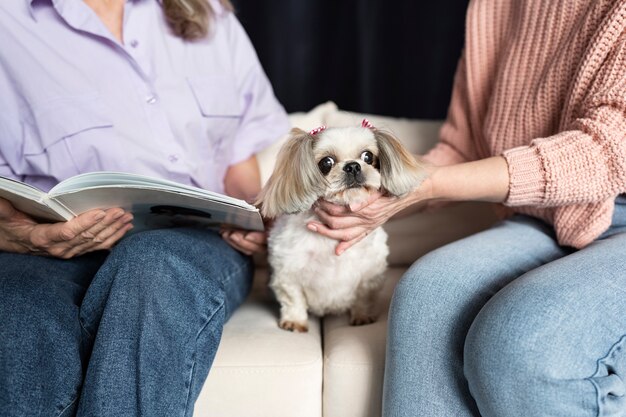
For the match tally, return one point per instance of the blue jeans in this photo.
(508, 323)
(132, 332)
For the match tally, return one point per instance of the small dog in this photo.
(342, 166)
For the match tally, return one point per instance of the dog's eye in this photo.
(367, 157)
(326, 164)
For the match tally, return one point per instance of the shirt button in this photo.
(151, 99)
(173, 158)
(134, 43)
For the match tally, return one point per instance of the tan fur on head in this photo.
(399, 170)
(296, 182)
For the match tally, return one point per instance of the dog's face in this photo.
(348, 160)
(341, 165)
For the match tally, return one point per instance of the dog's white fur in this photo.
(306, 273)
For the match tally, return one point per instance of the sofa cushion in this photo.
(354, 360)
(262, 370)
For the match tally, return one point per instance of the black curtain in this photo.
(394, 58)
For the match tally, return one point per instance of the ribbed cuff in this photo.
(526, 175)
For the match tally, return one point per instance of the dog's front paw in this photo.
(360, 320)
(294, 326)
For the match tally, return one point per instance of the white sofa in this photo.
(334, 370)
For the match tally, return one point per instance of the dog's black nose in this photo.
(352, 168)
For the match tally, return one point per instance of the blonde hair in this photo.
(190, 19)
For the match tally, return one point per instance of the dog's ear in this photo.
(296, 182)
(400, 172)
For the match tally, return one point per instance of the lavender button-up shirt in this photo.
(73, 99)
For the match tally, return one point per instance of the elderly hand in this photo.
(90, 231)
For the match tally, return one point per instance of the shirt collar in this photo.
(61, 6)
(32, 3)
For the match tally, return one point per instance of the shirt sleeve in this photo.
(586, 161)
(264, 119)
(455, 143)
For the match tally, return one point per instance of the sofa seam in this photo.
(352, 366)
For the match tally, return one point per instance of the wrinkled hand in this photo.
(246, 241)
(350, 225)
(91, 231)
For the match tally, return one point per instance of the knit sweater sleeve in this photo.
(586, 161)
(454, 144)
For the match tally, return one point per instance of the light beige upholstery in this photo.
(334, 370)
(261, 370)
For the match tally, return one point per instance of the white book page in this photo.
(121, 179)
(31, 200)
(21, 188)
(156, 207)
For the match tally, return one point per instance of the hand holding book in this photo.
(93, 211)
(90, 231)
(154, 202)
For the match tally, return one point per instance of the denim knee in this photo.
(523, 347)
(423, 290)
(450, 283)
(158, 302)
(195, 251)
(497, 356)
(180, 271)
(432, 308)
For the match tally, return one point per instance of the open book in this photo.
(155, 203)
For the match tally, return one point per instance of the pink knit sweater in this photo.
(543, 83)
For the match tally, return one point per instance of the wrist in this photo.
(482, 180)
(16, 230)
(428, 189)
(9, 242)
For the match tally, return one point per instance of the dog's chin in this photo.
(350, 195)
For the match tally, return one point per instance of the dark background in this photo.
(394, 58)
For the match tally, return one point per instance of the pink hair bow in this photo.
(317, 130)
(367, 124)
